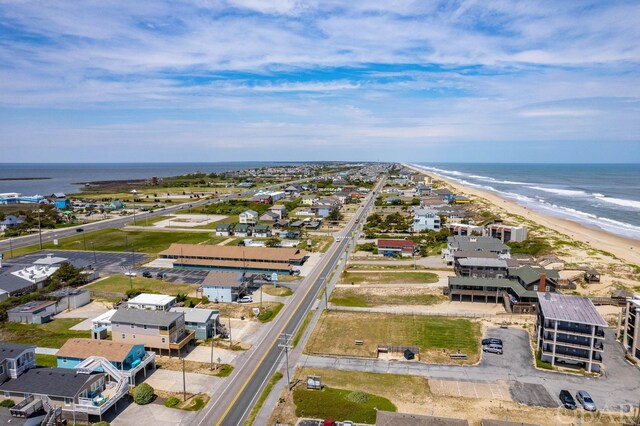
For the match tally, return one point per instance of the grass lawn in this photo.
(237, 310)
(319, 243)
(403, 277)
(120, 284)
(340, 404)
(278, 291)
(435, 336)
(395, 387)
(367, 297)
(141, 241)
(50, 335)
(303, 327)
(43, 360)
(269, 313)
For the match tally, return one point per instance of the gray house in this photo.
(15, 359)
(35, 312)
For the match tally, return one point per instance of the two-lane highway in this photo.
(237, 397)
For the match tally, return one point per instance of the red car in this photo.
(329, 422)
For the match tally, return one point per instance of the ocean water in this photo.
(604, 196)
(69, 178)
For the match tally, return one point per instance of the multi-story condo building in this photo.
(570, 331)
(631, 328)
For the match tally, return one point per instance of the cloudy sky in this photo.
(205, 80)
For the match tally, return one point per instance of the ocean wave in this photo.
(558, 191)
(619, 201)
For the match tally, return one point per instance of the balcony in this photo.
(578, 331)
(26, 407)
(148, 358)
(15, 372)
(585, 345)
(183, 340)
(573, 357)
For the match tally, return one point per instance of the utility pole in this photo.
(10, 248)
(326, 298)
(184, 382)
(286, 346)
(39, 228)
(230, 343)
(211, 367)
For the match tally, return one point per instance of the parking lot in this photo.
(105, 263)
(182, 276)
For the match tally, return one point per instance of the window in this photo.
(64, 360)
(133, 336)
(7, 394)
(144, 326)
(68, 401)
(132, 326)
(1, 369)
(123, 335)
(163, 340)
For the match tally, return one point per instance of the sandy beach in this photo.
(623, 248)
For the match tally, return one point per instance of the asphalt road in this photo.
(247, 381)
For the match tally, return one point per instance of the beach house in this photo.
(426, 219)
(15, 359)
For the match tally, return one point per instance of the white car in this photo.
(245, 299)
(131, 274)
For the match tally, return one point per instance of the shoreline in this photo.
(624, 248)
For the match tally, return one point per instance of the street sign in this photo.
(1, 256)
(274, 276)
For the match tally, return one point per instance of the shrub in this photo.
(359, 397)
(102, 423)
(143, 394)
(131, 293)
(7, 403)
(171, 402)
(205, 299)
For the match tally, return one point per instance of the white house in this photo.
(309, 199)
(277, 195)
(249, 217)
(223, 286)
(154, 302)
(103, 320)
(426, 219)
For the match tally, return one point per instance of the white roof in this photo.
(50, 260)
(35, 274)
(197, 314)
(152, 299)
(106, 317)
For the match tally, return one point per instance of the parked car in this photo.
(586, 401)
(492, 340)
(348, 423)
(131, 274)
(329, 422)
(494, 349)
(567, 400)
(161, 275)
(146, 274)
(245, 299)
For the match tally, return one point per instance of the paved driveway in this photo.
(616, 390)
(171, 381)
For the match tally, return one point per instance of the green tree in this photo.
(273, 242)
(67, 274)
(143, 394)
(334, 215)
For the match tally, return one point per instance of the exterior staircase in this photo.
(92, 364)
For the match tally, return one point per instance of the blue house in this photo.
(205, 322)
(63, 204)
(123, 356)
(224, 286)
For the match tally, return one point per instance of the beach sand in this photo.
(624, 248)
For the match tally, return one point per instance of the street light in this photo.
(39, 228)
(133, 199)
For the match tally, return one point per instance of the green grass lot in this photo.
(121, 283)
(278, 291)
(51, 335)
(388, 278)
(367, 297)
(303, 327)
(397, 388)
(142, 241)
(435, 336)
(269, 313)
(43, 360)
(374, 267)
(319, 243)
(340, 404)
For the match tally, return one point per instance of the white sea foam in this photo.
(619, 201)
(558, 191)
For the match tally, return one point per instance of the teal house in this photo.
(205, 322)
(123, 356)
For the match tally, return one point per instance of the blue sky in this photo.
(486, 81)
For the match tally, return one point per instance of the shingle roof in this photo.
(12, 350)
(563, 307)
(476, 243)
(223, 278)
(143, 316)
(234, 253)
(84, 348)
(11, 283)
(60, 382)
(482, 261)
(395, 243)
(529, 274)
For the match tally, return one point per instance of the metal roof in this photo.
(482, 261)
(145, 317)
(152, 299)
(563, 307)
(529, 274)
(197, 315)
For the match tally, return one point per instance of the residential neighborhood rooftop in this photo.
(84, 348)
(60, 382)
(152, 299)
(224, 279)
(146, 317)
(12, 350)
(198, 315)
